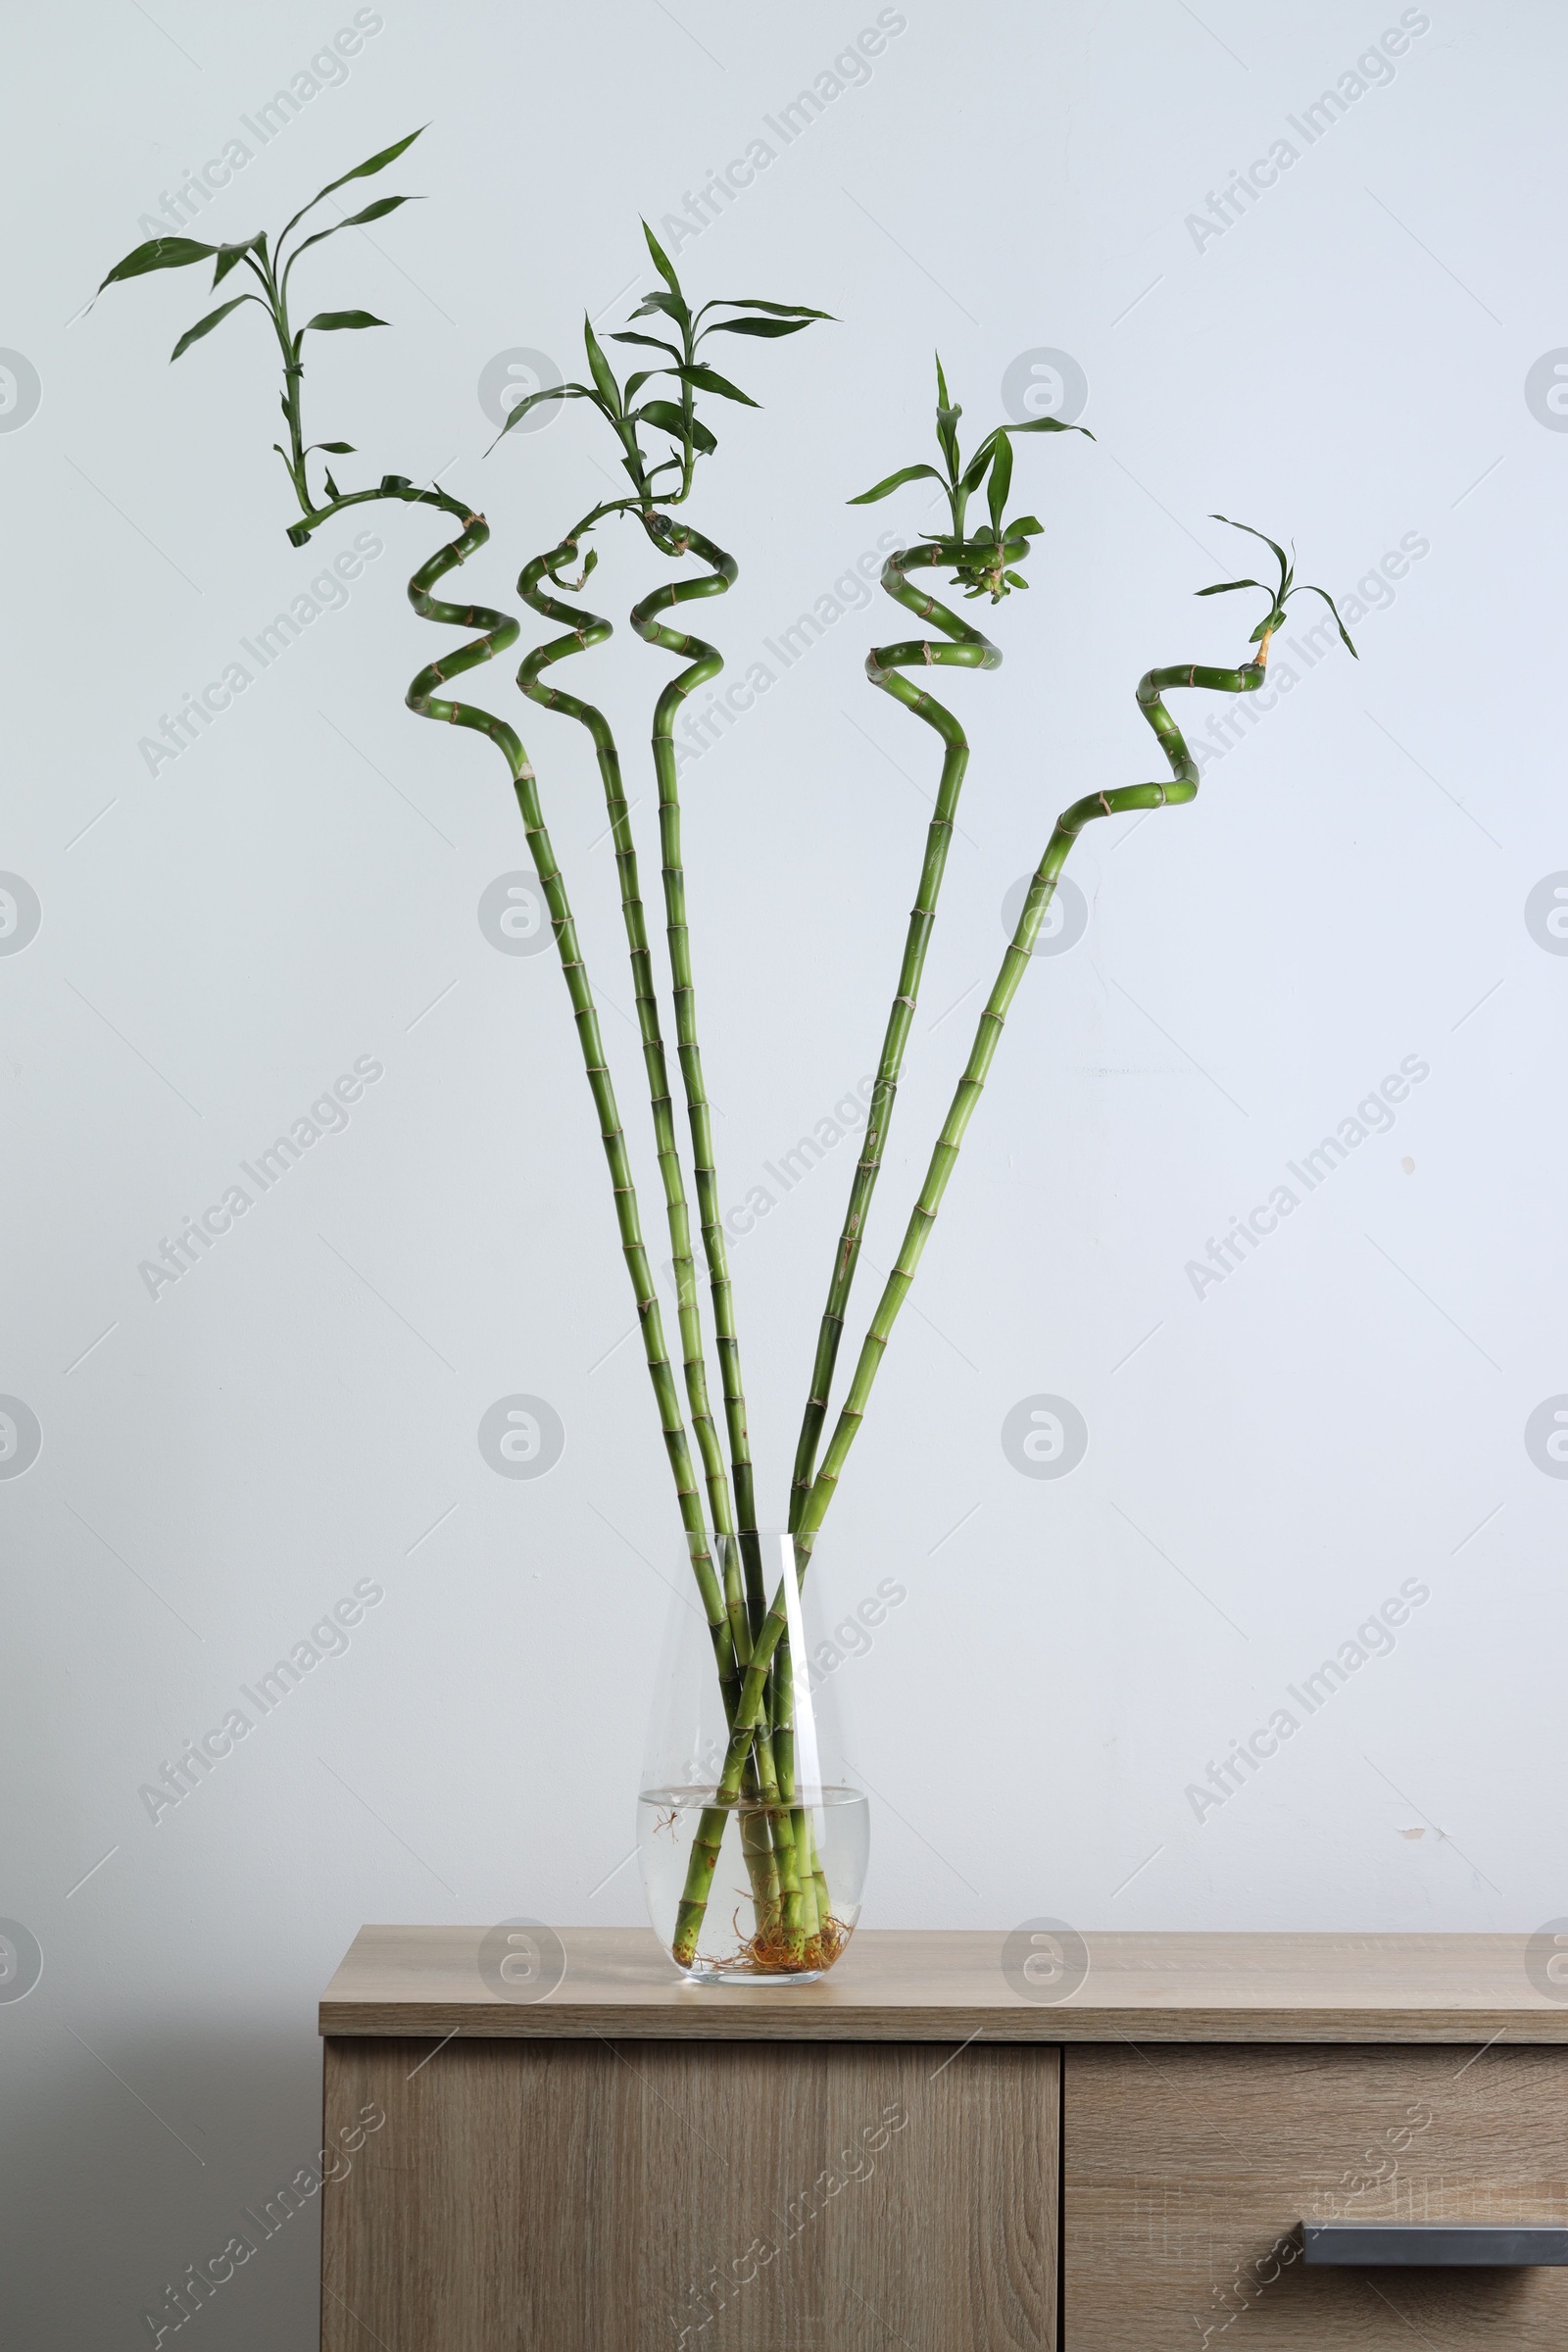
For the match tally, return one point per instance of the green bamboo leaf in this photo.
(1023, 526)
(365, 170)
(754, 326)
(1272, 621)
(1273, 544)
(755, 302)
(650, 343)
(974, 473)
(1334, 609)
(158, 253)
(599, 367)
(1001, 481)
(1015, 579)
(372, 212)
(662, 262)
(644, 376)
(708, 379)
(332, 321)
(229, 256)
(895, 481)
(336, 449)
(551, 392)
(667, 414)
(375, 212)
(947, 415)
(1224, 587)
(1046, 425)
(205, 327)
(670, 303)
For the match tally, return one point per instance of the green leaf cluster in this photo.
(985, 557)
(1280, 594)
(674, 415)
(270, 272)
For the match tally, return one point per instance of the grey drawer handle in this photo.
(1444, 2245)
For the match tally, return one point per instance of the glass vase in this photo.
(753, 1852)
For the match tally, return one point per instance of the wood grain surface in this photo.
(1187, 2173)
(592, 2196)
(940, 1986)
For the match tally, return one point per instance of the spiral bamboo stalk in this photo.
(586, 630)
(766, 1867)
(988, 1036)
(425, 697)
(704, 662)
(969, 650)
(1014, 964)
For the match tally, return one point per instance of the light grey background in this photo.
(1267, 1463)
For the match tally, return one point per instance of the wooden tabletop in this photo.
(897, 1985)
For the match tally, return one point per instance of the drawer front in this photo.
(692, 2196)
(1188, 2173)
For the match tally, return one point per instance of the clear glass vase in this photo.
(752, 1852)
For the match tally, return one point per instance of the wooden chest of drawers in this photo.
(918, 2151)
(1188, 2172)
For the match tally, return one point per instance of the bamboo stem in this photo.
(704, 662)
(501, 632)
(988, 1036)
(589, 629)
(1014, 964)
(969, 650)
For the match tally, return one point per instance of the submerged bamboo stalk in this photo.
(764, 1867)
(1014, 964)
(761, 1765)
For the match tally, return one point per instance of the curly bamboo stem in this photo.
(1014, 964)
(766, 1869)
(424, 697)
(969, 650)
(586, 630)
(988, 1036)
(704, 662)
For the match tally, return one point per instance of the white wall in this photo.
(1347, 363)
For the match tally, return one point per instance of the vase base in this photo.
(754, 1976)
